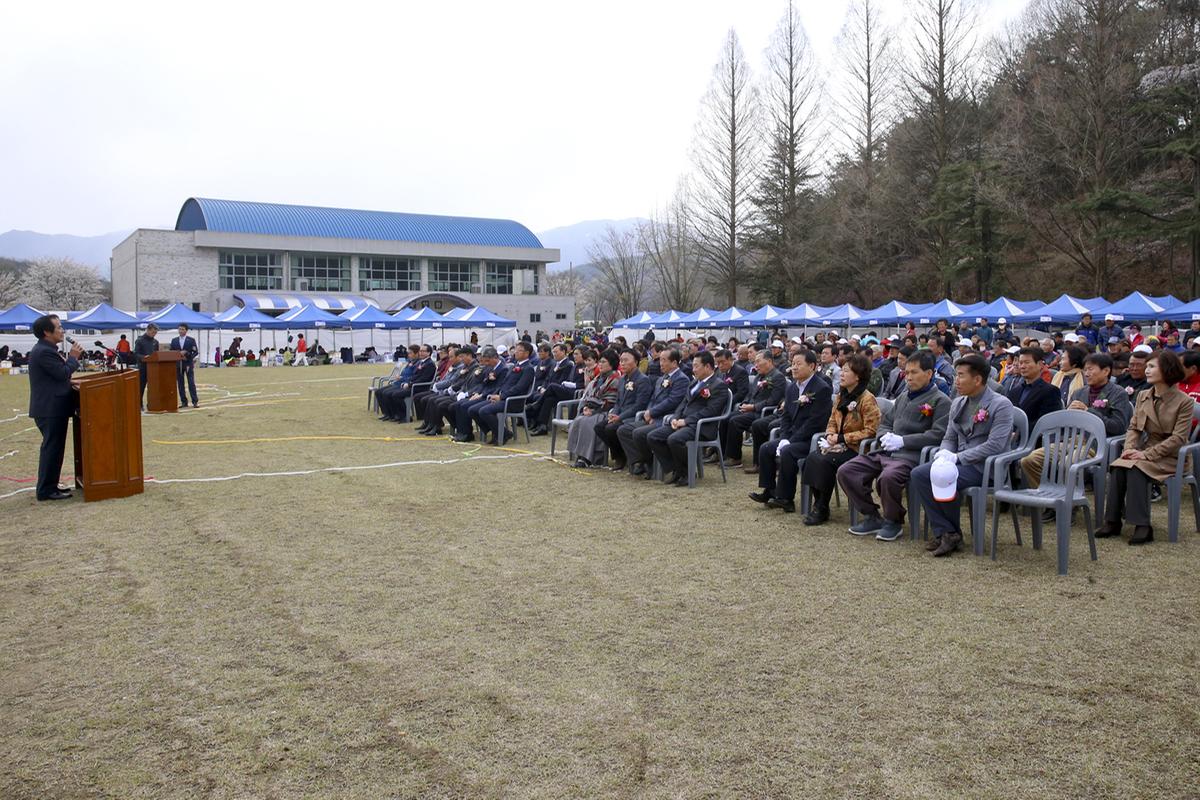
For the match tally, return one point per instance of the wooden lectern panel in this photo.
(108, 435)
(162, 389)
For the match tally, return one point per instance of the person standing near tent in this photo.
(143, 348)
(301, 351)
(51, 401)
(187, 345)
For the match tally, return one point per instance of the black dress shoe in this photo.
(538, 431)
(386, 418)
(760, 497)
(618, 464)
(816, 517)
(1142, 534)
(1108, 529)
(668, 477)
(582, 463)
(57, 496)
(787, 506)
(680, 481)
(638, 468)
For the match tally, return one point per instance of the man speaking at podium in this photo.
(51, 400)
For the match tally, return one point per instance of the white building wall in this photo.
(153, 268)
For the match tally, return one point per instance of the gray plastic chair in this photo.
(695, 447)
(378, 382)
(561, 421)
(1074, 443)
(511, 413)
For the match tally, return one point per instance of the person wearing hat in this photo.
(1004, 333)
(1114, 345)
(426, 404)
(980, 425)
(1109, 329)
(1087, 331)
(777, 353)
(458, 413)
(1133, 332)
(916, 420)
(145, 346)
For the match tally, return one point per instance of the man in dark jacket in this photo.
(632, 396)
(145, 346)
(516, 383)
(1033, 395)
(563, 378)
(767, 394)
(392, 405)
(666, 394)
(805, 412)
(51, 400)
(707, 397)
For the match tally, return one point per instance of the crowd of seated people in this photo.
(865, 415)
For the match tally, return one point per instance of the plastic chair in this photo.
(377, 383)
(508, 414)
(559, 421)
(694, 448)
(1071, 441)
(408, 401)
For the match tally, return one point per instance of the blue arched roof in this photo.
(236, 216)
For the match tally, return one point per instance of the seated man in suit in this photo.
(447, 385)
(541, 374)
(1032, 394)
(560, 384)
(916, 420)
(980, 425)
(51, 401)
(438, 408)
(633, 396)
(806, 410)
(707, 397)
(458, 414)
(516, 383)
(766, 394)
(391, 398)
(669, 390)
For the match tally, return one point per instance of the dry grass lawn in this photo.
(515, 628)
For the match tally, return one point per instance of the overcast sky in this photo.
(545, 112)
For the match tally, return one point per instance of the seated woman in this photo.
(1162, 421)
(583, 440)
(854, 419)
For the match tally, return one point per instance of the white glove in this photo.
(460, 395)
(569, 385)
(782, 444)
(946, 455)
(890, 441)
(823, 443)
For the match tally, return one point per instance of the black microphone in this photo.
(69, 339)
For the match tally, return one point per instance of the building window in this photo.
(393, 274)
(511, 277)
(320, 273)
(252, 271)
(453, 276)
(535, 317)
(560, 316)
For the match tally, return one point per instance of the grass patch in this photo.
(514, 628)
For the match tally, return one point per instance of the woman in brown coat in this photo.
(1161, 424)
(855, 419)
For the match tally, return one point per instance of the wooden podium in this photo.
(108, 435)
(161, 382)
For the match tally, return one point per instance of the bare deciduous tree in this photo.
(666, 239)
(725, 160)
(61, 284)
(622, 267)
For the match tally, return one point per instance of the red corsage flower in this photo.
(705, 393)
(926, 410)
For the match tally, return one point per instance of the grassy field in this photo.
(488, 623)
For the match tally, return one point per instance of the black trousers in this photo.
(50, 458)
(760, 432)
(608, 432)
(419, 403)
(187, 369)
(143, 377)
(820, 475)
(554, 394)
(391, 401)
(1128, 496)
(733, 430)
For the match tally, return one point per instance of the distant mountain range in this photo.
(572, 241)
(94, 251)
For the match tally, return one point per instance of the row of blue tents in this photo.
(103, 317)
(1066, 309)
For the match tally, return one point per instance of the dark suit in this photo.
(144, 346)
(798, 423)
(517, 382)
(767, 394)
(441, 406)
(670, 446)
(186, 368)
(1036, 399)
(51, 403)
(738, 382)
(629, 402)
(561, 383)
(459, 414)
(665, 397)
(391, 398)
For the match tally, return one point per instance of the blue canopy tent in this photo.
(666, 319)
(697, 318)
(1134, 306)
(178, 314)
(893, 313)
(845, 314)
(372, 318)
(425, 318)
(732, 317)
(309, 316)
(480, 317)
(1000, 307)
(766, 316)
(639, 320)
(1064, 309)
(943, 309)
(1167, 301)
(1183, 313)
(19, 318)
(102, 317)
(241, 318)
(804, 314)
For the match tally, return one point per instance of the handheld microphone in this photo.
(69, 340)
